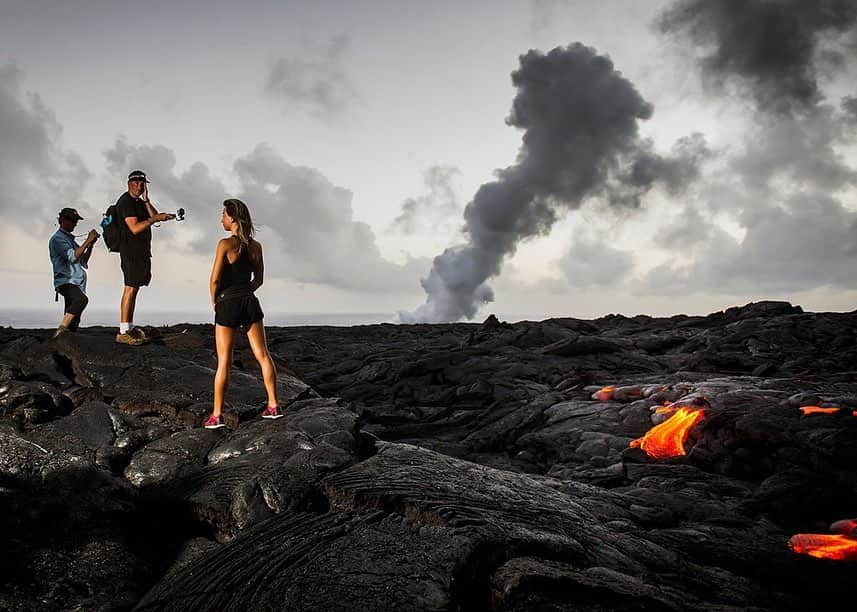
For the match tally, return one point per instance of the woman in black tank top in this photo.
(235, 277)
(237, 272)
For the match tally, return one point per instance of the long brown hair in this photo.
(239, 212)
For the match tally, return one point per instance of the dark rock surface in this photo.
(432, 467)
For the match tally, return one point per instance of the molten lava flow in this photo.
(818, 410)
(837, 547)
(668, 407)
(667, 439)
(605, 394)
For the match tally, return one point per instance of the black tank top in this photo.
(235, 277)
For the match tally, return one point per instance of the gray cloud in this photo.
(775, 49)
(783, 183)
(315, 223)
(802, 150)
(317, 82)
(542, 13)
(809, 241)
(37, 175)
(593, 263)
(781, 189)
(849, 109)
(195, 189)
(437, 206)
(580, 120)
(305, 222)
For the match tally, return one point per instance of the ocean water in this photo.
(44, 318)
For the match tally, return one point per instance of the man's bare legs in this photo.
(129, 301)
(224, 339)
(259, 345)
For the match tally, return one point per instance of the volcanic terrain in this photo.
(682, 463)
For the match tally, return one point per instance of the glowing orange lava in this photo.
(819, 410)
(837, 547)
(667, 439)
(605, 394)
(667, 407)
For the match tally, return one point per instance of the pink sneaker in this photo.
(271, 412)
(214, 422)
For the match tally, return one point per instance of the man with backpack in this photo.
(135, 216)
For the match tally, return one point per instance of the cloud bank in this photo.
(789, 185)
(305, 222)
(38, 176)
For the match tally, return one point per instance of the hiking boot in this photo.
(128, 339)
(138, 332)
(271, 412)
(61, 330)
(215, 422)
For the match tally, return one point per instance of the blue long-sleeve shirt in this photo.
(67, 267)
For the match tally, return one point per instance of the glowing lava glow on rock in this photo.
(605, 394)
(667, 439)
(837, 547)
(845, 527)
(819, 410)
(667, 408)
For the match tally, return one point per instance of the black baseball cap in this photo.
(70, 213)
(138, 175)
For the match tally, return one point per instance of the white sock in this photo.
(124, 327)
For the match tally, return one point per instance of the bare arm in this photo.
(135, 226)
(217, 268)
(258, 270)
(83, 252)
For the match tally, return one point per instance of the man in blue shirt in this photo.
(69, 261)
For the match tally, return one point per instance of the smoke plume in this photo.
(580, 119)
(775, 49)
(788, 185)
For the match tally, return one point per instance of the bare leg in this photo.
(259, 345)
(129, 301)
(224, 338)
(68, 319)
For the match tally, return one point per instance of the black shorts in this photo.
(238, 311)
(137, 269)
(75, 299)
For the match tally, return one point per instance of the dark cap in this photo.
(138, 175)
(70, 213)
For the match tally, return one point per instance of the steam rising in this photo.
(580, 119)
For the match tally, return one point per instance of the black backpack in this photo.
(111, 231)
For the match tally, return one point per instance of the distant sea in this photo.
(44, 319)
(41, 318)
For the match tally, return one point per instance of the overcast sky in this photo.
(442, 161)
